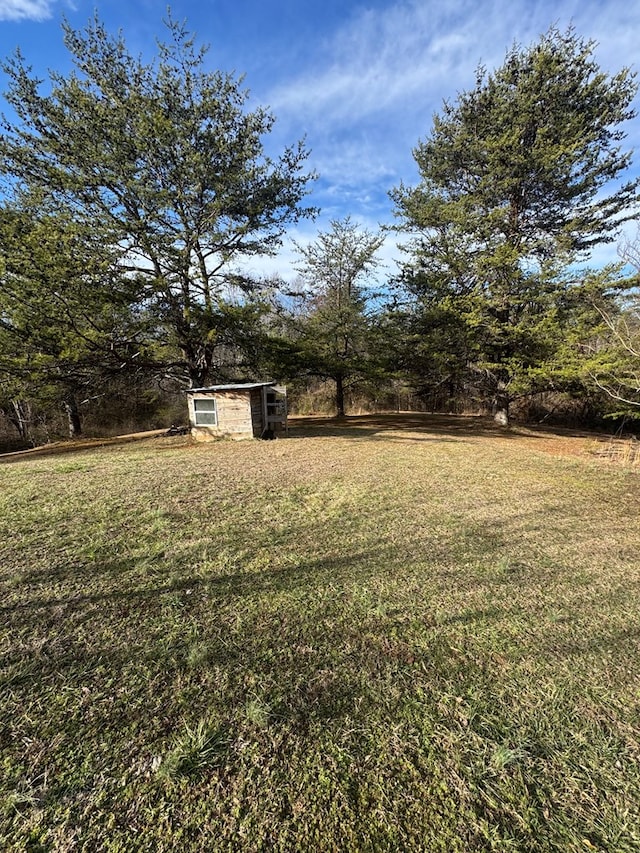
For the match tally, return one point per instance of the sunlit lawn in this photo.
(393, 635)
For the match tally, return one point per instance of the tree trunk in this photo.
(340, 396)
(501, 408)
(73, 414)
(198, 358)
(20, 417)
(198, 373)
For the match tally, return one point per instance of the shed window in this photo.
(205, 412)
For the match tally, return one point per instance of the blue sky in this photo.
(360, 80)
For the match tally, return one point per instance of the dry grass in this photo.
(620, 451)
(416, 634)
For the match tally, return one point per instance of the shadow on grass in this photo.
(306, 663)
(435, 427)
(236, 585)
(148, 578)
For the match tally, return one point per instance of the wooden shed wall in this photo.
(256, 412)
(234, 415)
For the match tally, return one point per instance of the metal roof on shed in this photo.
(239, 386)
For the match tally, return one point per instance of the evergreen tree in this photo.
(333, 335)
(165, 156)
(66, 318)
(516, 185)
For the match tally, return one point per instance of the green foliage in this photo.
(515, 187)
(66, 317)
(333, 333)
(612, 357)
(165, 157)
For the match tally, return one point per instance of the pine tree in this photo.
(516, 185)
(333, 337)
(166, 157)
(67, 316)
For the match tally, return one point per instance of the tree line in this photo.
(134, 194)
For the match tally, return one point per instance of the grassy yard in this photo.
(413, 635)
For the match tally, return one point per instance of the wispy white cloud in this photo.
(26, 10)
(369, 92)
(379, 61)
(414, 50)
(394, 66)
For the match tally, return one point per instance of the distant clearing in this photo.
(390, 633)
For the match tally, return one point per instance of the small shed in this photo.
(241, 410)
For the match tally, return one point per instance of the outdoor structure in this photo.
(245, 410)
